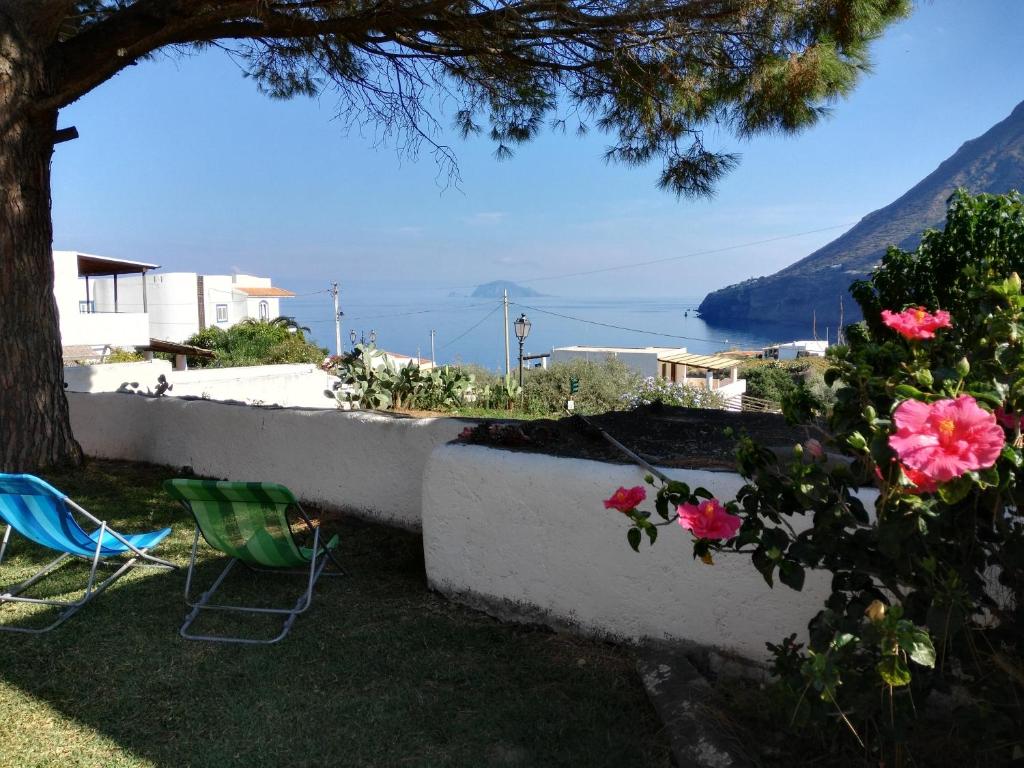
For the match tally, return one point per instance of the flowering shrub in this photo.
(927, 583)
(652, 390)
(916, 322)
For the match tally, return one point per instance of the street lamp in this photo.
(522, 326)
(362, 337)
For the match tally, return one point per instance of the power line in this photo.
(417, 312)
(690, 255)
(620, 327)
(472, 328)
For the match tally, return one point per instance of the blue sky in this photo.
(182, 162)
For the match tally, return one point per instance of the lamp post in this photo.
(362, 337)
(522, 326)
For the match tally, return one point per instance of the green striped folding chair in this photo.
(249, 523)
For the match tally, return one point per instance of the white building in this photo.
(181, 304)
(795, 349)
(102, 301)
(643, 360)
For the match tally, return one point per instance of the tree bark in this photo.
(35, 425)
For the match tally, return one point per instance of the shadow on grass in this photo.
(378, 672)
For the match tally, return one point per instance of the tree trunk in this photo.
(35, 426)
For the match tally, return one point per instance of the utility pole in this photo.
(433, 360)
(508, 359)
(337, 320)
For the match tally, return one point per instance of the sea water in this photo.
(471, 330)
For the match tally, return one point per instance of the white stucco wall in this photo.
(364, 462)
(531, 530)
(294, 386)
(173, 305)
(299, 385)
(108, 377)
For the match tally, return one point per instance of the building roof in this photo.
(264, 292)
(159, 345)
(89, 264)
(711, 362)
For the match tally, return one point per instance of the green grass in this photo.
(379, 672)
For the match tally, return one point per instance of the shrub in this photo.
(255, 342)
(123, 356)
(601, 386)
(927, 593)
(652, 390)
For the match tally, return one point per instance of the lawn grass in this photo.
(379, 672)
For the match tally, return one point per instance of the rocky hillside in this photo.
(993, 162)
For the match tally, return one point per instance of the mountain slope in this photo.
(993, 162)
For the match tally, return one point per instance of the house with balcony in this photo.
(102, 302)
(183, 303)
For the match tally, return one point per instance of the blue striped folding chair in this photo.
(44, 515)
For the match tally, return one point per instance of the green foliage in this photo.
(601, 386)
(927, 588)
(927, 576)
(769, 380)
(370, 379)
(255, 342)
(123, 356)
(652, 390)
(687, 68)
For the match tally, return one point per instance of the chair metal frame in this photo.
(301, 605)
(13, 594)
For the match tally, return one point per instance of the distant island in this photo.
(496, 289)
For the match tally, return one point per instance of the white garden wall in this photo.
(527, 535)
(296, 385)
(369, 463)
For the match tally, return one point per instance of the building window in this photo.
(264, 310)
(222, 313)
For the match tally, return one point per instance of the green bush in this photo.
(255, 342)
(652, 390)
(602, 386)
(769, 381)
(123, 356)
(926, 591)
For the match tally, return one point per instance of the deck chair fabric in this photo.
(249, 523)
(46, 516)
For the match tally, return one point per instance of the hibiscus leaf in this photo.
(652, 533)
(661, 506)
(920, 649)
(764, 564)
(704, 493)
(1012, 455)
(791, 574)
(907, 392)
(955, 491)
(633, 535)
(894, 671)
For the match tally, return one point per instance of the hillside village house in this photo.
(107, 303)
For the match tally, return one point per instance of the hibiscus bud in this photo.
(876, 611)
(870, 413)
(857, 442)
(962, 367)
(924, 377)
(1015, 282)
(813, 447)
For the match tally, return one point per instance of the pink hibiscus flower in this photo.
(916, 322)
(626, 499)
(708, 520)
(945, 439)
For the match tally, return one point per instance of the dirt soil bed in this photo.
(667, 436)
